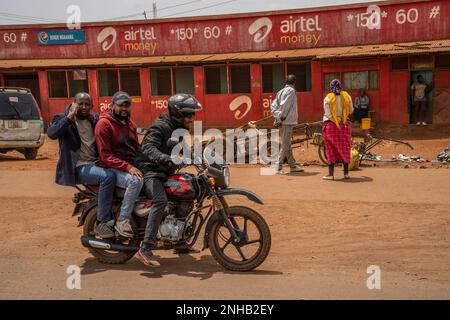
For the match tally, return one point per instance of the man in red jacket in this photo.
(117, 144)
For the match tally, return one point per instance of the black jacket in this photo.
(66, 131)
(153, 156)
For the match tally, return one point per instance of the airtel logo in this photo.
(237, 103)
(103, 36)
(256, 29)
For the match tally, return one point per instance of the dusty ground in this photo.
(325, 235)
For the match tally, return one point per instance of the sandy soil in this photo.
(325, 235)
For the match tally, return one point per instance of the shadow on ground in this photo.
(182, 265)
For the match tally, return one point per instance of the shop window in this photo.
(216, 80)
(57, 84)
(161, 82)
(130, 81)
(240, 79)
(302, 72)
(184, 80)
(328, 77)
(66, 84)
(108, 82)
(421, 62)
(442, 61)
(361, 80)
(373, 80)
(400, 63)
(272, 77)
(78, 82)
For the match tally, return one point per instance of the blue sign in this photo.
(60, 37)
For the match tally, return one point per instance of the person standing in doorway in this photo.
(361, 106)
(285, 112)
(419, 90)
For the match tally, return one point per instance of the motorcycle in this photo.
(238, 237)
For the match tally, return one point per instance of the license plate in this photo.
(15, 124)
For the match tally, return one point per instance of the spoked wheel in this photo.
(323, 153)
(255, 242)
(102, 255)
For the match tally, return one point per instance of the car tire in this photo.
(31, 153)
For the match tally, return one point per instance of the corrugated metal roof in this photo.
(313, 53)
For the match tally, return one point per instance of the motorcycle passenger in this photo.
(117, 144)
(78, 157)
(153, 158)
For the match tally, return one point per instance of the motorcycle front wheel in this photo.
(102, 255)
(255, 242)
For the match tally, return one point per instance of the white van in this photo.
(21, 124)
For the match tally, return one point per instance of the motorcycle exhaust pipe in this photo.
(90, 241)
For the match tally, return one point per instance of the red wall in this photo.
(442, 79)
(389, 101)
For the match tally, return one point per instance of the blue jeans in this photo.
(133, 188)
(91, 174)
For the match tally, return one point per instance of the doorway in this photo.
(25, 80)
(428, 77)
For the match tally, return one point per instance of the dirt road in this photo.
(325, 236)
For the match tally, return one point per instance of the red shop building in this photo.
(235, 64)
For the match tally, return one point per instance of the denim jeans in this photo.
(133, 188)
(91, 174)
(154, 190)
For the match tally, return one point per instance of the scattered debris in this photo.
(406, 158)
(444, 156)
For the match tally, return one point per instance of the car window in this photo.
(14, 105)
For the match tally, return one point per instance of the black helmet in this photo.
(183, 105)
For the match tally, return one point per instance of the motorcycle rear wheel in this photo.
(105, 256)
(225, 259)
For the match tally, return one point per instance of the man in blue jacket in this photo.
(78, 157)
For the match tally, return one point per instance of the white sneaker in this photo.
(280, 171)
(424, 123)
(418, 123)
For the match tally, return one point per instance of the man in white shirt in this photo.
(285, 112)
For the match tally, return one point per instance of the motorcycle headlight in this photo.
(226, 176)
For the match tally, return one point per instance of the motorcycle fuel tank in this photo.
(181, 187)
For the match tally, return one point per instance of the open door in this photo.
(428, 77)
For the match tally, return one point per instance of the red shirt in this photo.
(117, 142)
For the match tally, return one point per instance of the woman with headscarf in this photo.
(336, 130)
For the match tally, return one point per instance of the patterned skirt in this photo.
(337, 142)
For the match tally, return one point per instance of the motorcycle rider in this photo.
(78, 157)
(153, 159)
(117, 143)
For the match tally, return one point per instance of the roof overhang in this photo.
(423, 47)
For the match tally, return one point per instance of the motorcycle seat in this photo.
(95, 188)
(118, 192)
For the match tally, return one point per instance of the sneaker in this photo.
(146, 257)
(297, 169)
(123, 227)
(104, 229)
(346, 176)
(418, 123)
(328, 178)
(278, 169)
(424, 123)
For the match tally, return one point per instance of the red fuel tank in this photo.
(181, 187)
